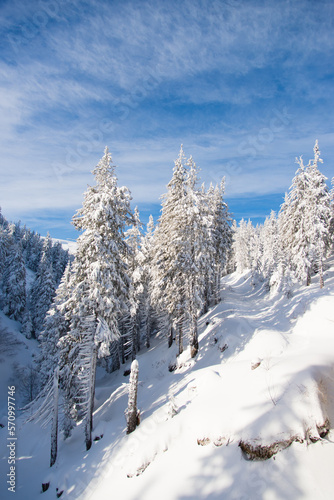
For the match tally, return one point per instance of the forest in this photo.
(126, 285)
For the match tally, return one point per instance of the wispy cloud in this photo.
(145, 76)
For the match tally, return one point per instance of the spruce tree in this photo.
(14, 284)
(147, 311)
(43, 288)
(169, 253)
(221, 236)
(305, 221)
(318, 214)
(100, 287)
(134, 269)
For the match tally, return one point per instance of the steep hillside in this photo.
(263, 381)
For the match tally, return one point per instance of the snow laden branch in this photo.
(191, 246)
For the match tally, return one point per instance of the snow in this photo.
(14, 347)
(264, 373)
(69, 245)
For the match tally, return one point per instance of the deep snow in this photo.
(192, 419)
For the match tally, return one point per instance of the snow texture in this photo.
(193, 418)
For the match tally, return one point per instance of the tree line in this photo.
(124, 285)
(293, 245)
(23, 298)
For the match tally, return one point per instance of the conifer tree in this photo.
(242, 245)
(270, 243)
(305, 220)
(169, 254)
(318, 214)
(100, 287)
(42, 291)
(331, 227)
(147, 311)
(27, 326)
(134, 269)
(190, 245)
(14, 284)
(221, 236)
(55, 326)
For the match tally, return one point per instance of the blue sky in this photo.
(246, 86)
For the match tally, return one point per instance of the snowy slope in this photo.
(14, 348)
(192, 419)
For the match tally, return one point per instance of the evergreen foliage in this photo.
(294, 245)
(99, 289)
(190, 246)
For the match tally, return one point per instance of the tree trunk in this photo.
(308, 279)
(134, 335)
(321, 277)
(170, 336)
(147, 325)
(193, 323)
(206, 296)
(217, 286)
(180, 336)
(194, 335)
(122, 341)
(132, 414)
(54, 428)
(91, 394)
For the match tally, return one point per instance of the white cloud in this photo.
(156, 72)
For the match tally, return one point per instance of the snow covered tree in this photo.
(190, 246)
(242, 245)
(331, 227)
(59, 258)
(169, 254)
(100, 287)
(33, 250)
(199, 250)
(43, 289)
(55, 326)
(132, 412)
(221, 235)
(4, 244)
(14, 284)
(147, 312)
(305, 220)
(270, 243)
(255, 252)
(318, 215)
(132, 320)
(27, 326)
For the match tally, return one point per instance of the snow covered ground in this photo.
(264, 374)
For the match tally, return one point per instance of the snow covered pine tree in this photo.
(100, 287)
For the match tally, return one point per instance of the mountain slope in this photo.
(263, 375)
